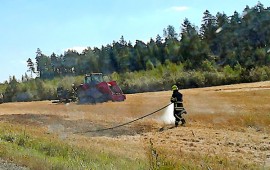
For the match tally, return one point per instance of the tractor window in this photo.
(87, 80)
(97, 78)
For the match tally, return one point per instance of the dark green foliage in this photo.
(222, 40)
(11, 90)
(236, 38)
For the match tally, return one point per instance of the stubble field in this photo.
(227, 127)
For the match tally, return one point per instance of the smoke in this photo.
(59, 129)
(56, 128)
(167, 116)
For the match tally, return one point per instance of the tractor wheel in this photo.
(91, 100)
(86, 99)
(103, 98)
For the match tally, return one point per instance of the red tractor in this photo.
(96, 90)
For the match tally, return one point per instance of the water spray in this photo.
(167, 116)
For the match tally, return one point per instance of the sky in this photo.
(58, 25)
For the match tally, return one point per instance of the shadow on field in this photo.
(62, 125)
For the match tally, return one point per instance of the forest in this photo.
(225, 49)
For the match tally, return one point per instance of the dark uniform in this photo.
(177, 100)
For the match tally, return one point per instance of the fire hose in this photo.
(99, 130)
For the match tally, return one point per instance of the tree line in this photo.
(221, 40)
(223, 50)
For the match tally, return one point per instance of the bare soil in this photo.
(216, 123)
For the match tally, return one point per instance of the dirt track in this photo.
(208, 131)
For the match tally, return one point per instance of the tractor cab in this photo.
(93, 79)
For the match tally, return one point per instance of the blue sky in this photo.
(57, 25)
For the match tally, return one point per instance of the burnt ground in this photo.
(58, 124)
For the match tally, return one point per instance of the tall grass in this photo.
(163, 77)
(44, 151)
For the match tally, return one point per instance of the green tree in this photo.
(170, 33)
(141, 54)
(161, 55)
(11, 90)
(44, 66)
(192, 48)
(56, 63)
(208, 28)
(70, 62)
(31, 67)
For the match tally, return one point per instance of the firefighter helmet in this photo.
(174, 87)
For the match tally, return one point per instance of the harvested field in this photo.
(227, 123)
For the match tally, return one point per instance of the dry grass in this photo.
(227, 127)
(233, 109)
(36, 149)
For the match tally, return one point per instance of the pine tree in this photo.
(31, 67)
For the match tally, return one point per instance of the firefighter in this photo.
(177, 100)
(73, 93)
